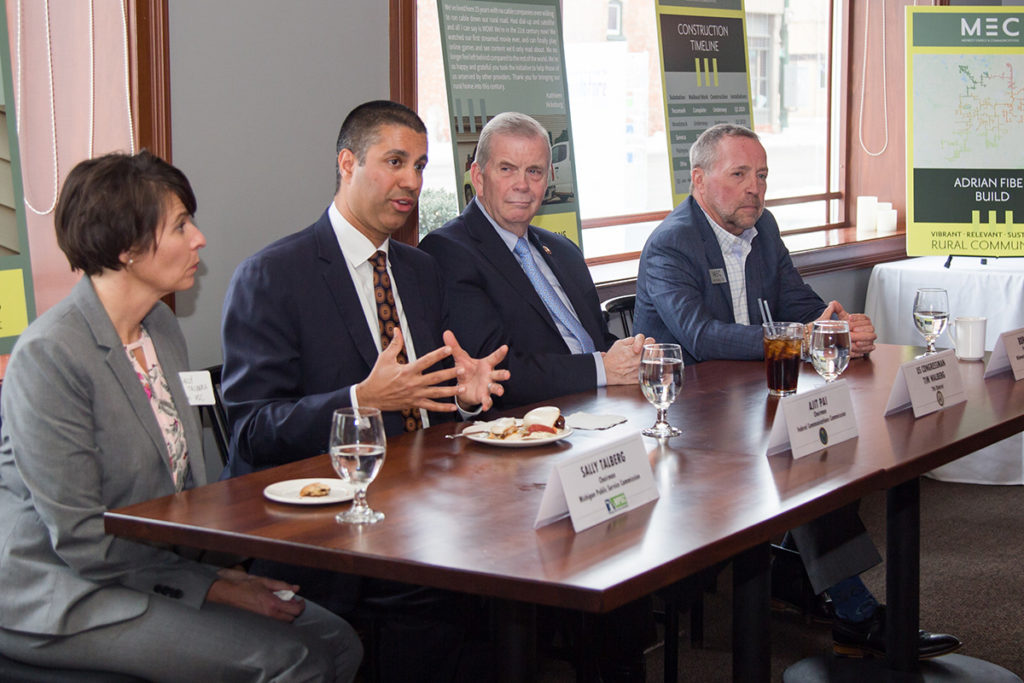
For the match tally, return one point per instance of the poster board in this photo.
(17, 299)
(704, 62)
(965, 131)
(504, 55)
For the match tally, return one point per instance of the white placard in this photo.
(198, 387)
(927, 384)
(1008, 353)
(598, 484)
(813, 420)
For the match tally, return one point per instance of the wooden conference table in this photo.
(460, 515)
(992, 288)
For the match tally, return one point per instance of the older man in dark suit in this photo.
(514, 283)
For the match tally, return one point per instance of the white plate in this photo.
(288, 492)
(481, 437)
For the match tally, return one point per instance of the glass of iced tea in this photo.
(783, 343)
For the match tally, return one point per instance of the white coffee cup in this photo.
(968, 335)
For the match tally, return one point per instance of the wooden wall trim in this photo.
(150, 65)
(403, 51)
(402, 25)
(151, 76)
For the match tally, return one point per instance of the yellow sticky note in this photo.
(13, 309)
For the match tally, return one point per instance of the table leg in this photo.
(516, 636)
(751, 645)
(902, 574)
(903, 592)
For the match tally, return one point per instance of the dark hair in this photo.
(359, 130)
(113, 204)
(704, 152)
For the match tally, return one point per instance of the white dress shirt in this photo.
(735, 249)
(357, 250)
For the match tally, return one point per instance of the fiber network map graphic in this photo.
(975, 121)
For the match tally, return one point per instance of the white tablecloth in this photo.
(994, 290)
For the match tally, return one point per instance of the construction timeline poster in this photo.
(965, 131)
(704, 75)
(508, 56)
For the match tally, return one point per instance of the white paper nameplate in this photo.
(600, 483)
(813, 420)
(1008, 353)
(928, 384)
(198, 387)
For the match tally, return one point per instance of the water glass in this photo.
(357, 447)
(661, 377)
(830, 348)
(931, 314)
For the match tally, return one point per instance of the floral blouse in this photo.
(143, 357)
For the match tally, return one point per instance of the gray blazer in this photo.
(78, 438)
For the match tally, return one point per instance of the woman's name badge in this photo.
(198, 387)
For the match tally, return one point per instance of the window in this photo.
(615, 96)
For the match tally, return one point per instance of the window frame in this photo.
(839, 248)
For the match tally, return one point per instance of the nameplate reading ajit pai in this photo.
(812, 421)
(1008, 354)
(927, 384)
(598, 484)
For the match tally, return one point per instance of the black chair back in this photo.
(622, 307)
(216, 416)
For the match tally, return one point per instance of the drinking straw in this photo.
(766, 314)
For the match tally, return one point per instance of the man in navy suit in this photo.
(701, 274)
(301, 332)
(513, 283)
(302, 336)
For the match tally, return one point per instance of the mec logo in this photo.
(992, 27)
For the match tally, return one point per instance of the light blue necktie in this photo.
(547, 294)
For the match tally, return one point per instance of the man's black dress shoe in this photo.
(867, 639)
(791, 589)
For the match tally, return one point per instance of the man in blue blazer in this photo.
(698, 285)
(301, 331)
(516, 284)
(701, 274)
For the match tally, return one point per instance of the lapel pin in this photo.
(546, 250)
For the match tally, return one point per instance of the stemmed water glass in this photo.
(661, 377)
(931, 314)
(830, 348)
(357, 446)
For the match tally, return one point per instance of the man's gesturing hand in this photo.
(395, 386)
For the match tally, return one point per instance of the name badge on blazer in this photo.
(198, 387)
(717, 276)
